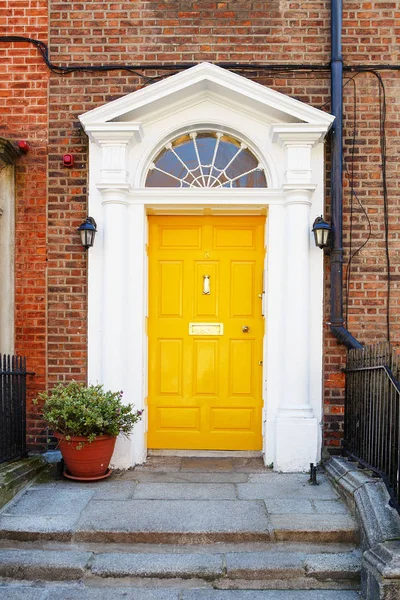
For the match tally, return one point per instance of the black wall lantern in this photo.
(321, 231)
(88, 231)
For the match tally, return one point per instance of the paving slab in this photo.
(186, 491)
(204, 566)
(81, 592)
(18, 592)
(315, 528)
(192, 521)
(42, 564)
(330, 507)
(269, 595)
(286, 485)
(282, 506)
(117, 594)
(32, 528)
(60, 501)
(322, 566)
(179, 476)
(41, 513)
(264, 565)
(115, 490)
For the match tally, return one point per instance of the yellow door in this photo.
(205, 332)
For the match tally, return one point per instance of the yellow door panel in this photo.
(172, 237)
(240, 237)
(236, 419)
(205, 367)
(170, 288)
(241, 370)
(170, 367)
(171, 418)
(243, 292)
(205, 381)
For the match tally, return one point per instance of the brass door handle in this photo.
(245, 328)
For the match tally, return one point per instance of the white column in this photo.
(124, 319)
(114, 297)
(274, 294)
(137, 319)
(114, 373)
(296, 426)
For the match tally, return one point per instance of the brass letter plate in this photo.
(206, 328)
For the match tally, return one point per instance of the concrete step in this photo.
(17, 591)
(263, 569)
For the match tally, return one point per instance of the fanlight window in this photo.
(208, 159)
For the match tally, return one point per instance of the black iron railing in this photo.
(12, 407)
(372, 410)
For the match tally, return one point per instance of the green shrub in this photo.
(75, 409)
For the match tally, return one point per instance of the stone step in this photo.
(77, 515)
(14, 476)
(17, 591)
(220, 548)
(255, 570)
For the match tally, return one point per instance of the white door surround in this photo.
(287, 137)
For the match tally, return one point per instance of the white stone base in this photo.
(296, 444)
(122, 457)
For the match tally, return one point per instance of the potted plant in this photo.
(86, 421)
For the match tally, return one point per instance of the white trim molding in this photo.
(288, 137)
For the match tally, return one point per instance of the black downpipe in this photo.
(336, 320)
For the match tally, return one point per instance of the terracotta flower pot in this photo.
(90, 461)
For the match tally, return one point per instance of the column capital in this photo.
(114, 140)
(114, 193)
(295, 193)
(297, 140)
(114, 133)
(297, 134)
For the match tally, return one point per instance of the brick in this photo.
(51, 201)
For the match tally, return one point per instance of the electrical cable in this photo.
(382, 138)
(272, 68)
(353, 194)
(382, 119)
(64, 70)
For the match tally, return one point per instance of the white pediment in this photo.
(198, 81)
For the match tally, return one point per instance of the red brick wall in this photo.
(370, 36)
(99, 33)
(23, 116)
(90, 32)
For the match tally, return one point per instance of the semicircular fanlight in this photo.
(208, 159)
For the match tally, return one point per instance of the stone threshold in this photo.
(207, 453)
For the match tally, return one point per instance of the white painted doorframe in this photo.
(287, 137)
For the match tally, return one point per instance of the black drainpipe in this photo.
(336, 319)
